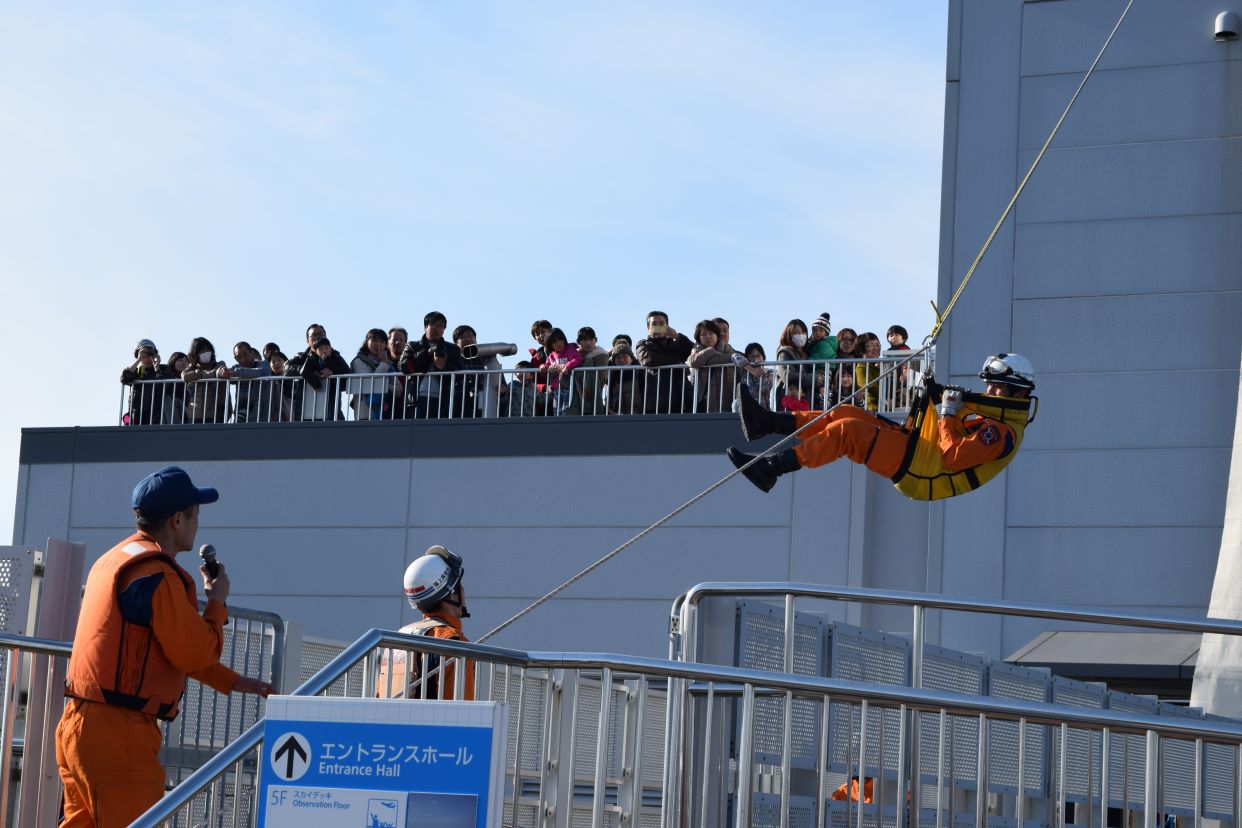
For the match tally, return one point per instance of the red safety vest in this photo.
(115, 661)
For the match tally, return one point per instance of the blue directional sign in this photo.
(367, 763)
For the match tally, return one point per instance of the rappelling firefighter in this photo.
(433, 586)
(952, 442)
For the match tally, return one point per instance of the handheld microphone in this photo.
(208, 553)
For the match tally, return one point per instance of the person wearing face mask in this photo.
(433, 586)
(791, 378)
(207, 392)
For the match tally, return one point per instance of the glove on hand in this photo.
(950, 404)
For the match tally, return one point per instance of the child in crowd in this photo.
(866, 374)
(897, 337)
(795, 398)
(626, 388)
(759, 380)
(822, 345)
(522, 390)
(562, 359)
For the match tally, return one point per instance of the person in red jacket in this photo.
(139, 635)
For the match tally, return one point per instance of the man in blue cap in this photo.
(139, 635)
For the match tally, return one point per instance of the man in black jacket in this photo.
(664, 353)
(433, 358)
(316, 366)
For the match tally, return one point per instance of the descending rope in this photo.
(941, 317)
(683, 507)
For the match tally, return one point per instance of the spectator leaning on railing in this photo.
(150, 402)
(252, 407)
(794, 382)
(866, 374)
(758, 378)
(477, 395)
(207, 400)
(563, 358)
(712, 373)
(627, 383)
(589, 384)
(425, 362)
(668, 390)
(369, 394)
(317, 365)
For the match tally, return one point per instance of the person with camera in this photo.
(139, 635)
(664, 353)
(429, 363)
(320, 393)
(149, 401)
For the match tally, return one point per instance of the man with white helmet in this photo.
(942, 451)
(433, 587)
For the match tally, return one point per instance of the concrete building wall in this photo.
(1119, 277)
(314, 529)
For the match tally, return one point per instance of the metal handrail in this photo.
(912, 699)
(43, 646)
(652, 389)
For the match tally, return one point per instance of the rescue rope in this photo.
(928, 343)
(941, 317)
(683, 507)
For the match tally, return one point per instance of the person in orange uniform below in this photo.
(433, 587)
(139, 635)
(971, 438)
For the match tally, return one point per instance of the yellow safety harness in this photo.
(923, 476)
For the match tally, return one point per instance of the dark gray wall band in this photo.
(525, 437)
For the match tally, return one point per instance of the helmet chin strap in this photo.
(465, 613)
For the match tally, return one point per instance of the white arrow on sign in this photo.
(291, 755)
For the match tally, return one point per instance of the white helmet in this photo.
(1009, 369)
(432, 578)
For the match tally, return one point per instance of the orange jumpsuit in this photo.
(966, 441)
(849, 790)
(108, 756)
(448, 674)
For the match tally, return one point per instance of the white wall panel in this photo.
(289, 493)
(1172, 254)
(1065, 36)
(1146, 399)
(1133, 181)
(584, 491)
(45, 511)
(1101, 334)
(1155, 103)
(1155, 563)
(1148, 487)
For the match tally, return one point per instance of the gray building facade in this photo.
(1118, 276)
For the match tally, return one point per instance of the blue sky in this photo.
(239, 170)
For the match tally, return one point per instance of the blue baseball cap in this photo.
(169, 490)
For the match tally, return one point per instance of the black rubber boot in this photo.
(757, 421)
(764, 473)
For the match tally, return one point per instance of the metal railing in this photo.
(580, 745)
(1076, 754)
(253, 645)
(584, 391)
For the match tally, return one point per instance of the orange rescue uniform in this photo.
(139, 635)
(402, 681)
(965, 441)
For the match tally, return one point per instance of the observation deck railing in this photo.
(485, 393)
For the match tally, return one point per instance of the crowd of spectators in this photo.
(392, 376)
